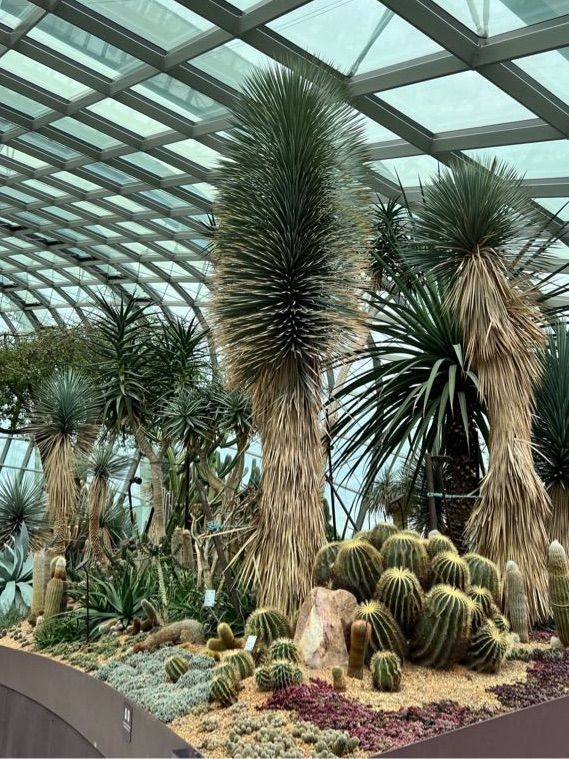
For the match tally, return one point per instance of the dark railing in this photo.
(48, 709)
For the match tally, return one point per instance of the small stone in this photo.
(556, 644)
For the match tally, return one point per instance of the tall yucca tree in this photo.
(292, 217)
(64, 424)
(551, 430)
(475, 224)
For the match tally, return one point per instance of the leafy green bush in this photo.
(63, 628)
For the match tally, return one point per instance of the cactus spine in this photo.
(515, 601)
(339, 679)
(386, 670)
(443, 629)
(38, 587)
(285, 673)
(357, 568)
(437, 543)
(482, 597)
(284, 648)
(360, 634)
(449, 568)
(323, 563)
(488, 648)
(408, 552)
(242, 662)
(401, 592)
(380, 533)
(484, 572)
(385, 632)
(175, 667)
(267, 624)
(558, 568)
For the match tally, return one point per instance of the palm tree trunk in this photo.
(461, 476)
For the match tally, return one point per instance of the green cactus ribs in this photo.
(558, 569)
(515, 601)
(485, 573)
(284, 648)
(488, 648)
(385, 632)
(175, 667)
(401, 592)
(438, 543)
(448, 568)
(406, 551)
(443, 629)
(380, 533)
(323, 563)
(267, 624)
(386, 671)
(357, 568)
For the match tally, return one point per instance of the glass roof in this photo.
(114, 115)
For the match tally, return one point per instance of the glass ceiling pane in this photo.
(164, 198)
(21, 103)
(50, 146)
(86, 133)
(453, 102)
(232, 62)
(85, 48)
(5, 125)
(355, 36)
(28, 160)
(151, 164)
(165, 23)
(537, 160)
(127, 117)
(489, 17)
(558, 206)
(61, 213)
(12, 14)
(178, 97)
(110, 173)
(409, 171)
(42, 76)
(75, 181)
(47, 189)
(126, 203)
(196, 151)
(549, 69)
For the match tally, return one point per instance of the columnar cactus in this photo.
(38, 587)
(284, 648)
(437, 543)
(484, 572)
(515, 601)
(448, 568)
(400, 590)
(558, 568)
(175, 667)
(323, 563)
(55, 593)
(385, 632)
(380, 533)
(267, 624)
(386, 670)
(152, 619)
(339, 679)
(488, 648)
(407, 551)
(357, 568)
(242, 662)
(443, 628)
(285, 673)
(360, 634)
(223, 690)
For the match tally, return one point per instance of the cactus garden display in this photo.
(323, 563)
(267, 625)
(443, 628)
(400, 590)
(485, 573)
(448, 568)
(438, 543)
(488, 648)
(175, 667)
(284, 648)
(360, 634)
(379, 534)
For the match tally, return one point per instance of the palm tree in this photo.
(64, 424)
(22, 501)
(101, 465)
(475, 226)
(414, 394)
(292, 218)
(551, 431)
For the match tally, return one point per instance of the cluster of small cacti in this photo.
(225, 640)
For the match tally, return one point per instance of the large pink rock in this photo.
(323, 626)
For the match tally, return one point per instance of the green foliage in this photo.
(400, 591)
(448, 568)
(485, 573)
(62, 628)
(379, 534)
(22, 501)
(438, 543)
(9, 619)
(16, 573)
(357, 568)
(558, 568)
(263, 677)
(323, 563)
(408, 552)
(386, 670)
(488, 648)
(443, 629)
(284, 648)
(385, 632)
(268, 625)
(175, 666)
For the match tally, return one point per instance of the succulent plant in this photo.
(385, 632)
(263, 677)
(223, 689)
(54, 595)
(149, 609)
(400, 590)
(443, 628)
(482, 597)
(339, 678)
(38, 586)
(285, 673)
(386, 670)
(242, 662)
(484, 572)
(16, 564)
(380, 533)
(488, 648)
(515, 601)
(558, 568)
(357, 568)
(448, 568)
(408, 552)
(267, 624)
(437, 543)
(175, 667)
(360, 634)
(284, 648)
(323, 563)
(499, 619)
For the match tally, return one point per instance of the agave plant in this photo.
(291, 216)
(551, 430)
(22, 502)
(475, 225)
(16, 565)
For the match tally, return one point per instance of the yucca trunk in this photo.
(98, 493)
(503, 334)
(291, 514)
(558, 528)
(59, 473)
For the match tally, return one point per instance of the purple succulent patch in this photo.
(547, 678)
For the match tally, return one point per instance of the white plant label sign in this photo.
(209, 599)
(250, 643)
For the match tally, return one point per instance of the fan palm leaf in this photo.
(22, 501)
(472, 223)
(292, 220)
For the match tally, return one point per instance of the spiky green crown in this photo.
(284, 673)
(488, 648)
(284, 648)
(242, 662)
(357, 568)
(388, 656)
(483, 597)
(379, 534)
(324, 561)
(438, 543)
(404, 550)
(292, 219)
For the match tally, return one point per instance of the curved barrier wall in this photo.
(48, 709)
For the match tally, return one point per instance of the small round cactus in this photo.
(223, 690)
(284, 648)
(285, 673)
(385, 632)
(339, 678)
(438, 543)
(175, 667)
(386, 670)
(380, 533)
(357, 568)
(482, 597)
(267, 624)
(484, 572)
(448, 568)
(263, 677)
(323, 563)
(408, 552)
(488, 648)
(443, 628)
(400, 590)
(242, 662)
